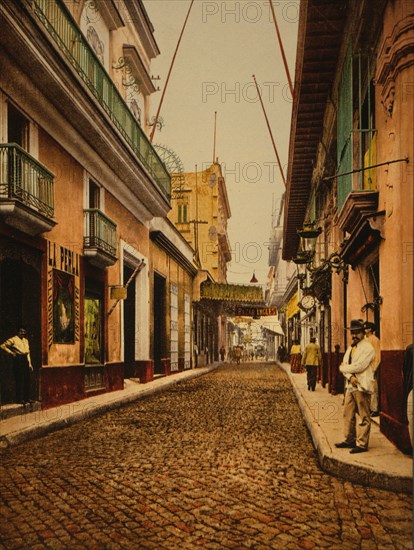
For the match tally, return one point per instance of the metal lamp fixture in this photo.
(334, 262)
(301, 274)
(253, 279)
(302, 260)
(303, 257)
(309, 231)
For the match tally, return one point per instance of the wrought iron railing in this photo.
(99, 231)
(24, 179)
(62, 27)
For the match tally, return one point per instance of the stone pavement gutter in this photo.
(383, 466)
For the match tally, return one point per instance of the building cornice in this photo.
(162, 240)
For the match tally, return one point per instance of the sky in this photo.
(223, 45)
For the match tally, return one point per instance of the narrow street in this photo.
(221, 461)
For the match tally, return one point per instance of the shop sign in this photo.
(292, 307)
(243, 311)
(63, 258)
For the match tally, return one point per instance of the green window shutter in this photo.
(344, 132)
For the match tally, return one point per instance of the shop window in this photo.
(187, 332)
(174, 327)
(93, 337)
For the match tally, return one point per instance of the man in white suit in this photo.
(358, 369)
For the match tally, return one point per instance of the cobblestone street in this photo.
(221, 461)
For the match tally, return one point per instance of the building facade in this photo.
(174, 276)
(87, 254)
(350, 184)
(200, 211)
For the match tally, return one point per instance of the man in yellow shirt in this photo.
(18, 347)
(312, 359)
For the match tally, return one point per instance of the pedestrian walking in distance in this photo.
(222, 353)
(18, 347)
(295, 357)
(358, 370)
(376, 344)
(311, 360)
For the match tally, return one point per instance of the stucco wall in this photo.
(394, 116)
(68, 232)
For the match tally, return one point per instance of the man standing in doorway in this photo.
(376, 344)
(311, 360)
(357, 368)
(18, 347)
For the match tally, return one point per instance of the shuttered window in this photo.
(345, 138)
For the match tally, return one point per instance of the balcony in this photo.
(63, 29)
(26, 191)
(99, 242)
(363, 223)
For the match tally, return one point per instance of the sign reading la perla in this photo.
(62, 258)
(63, 295)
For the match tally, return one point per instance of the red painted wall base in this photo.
(145, 371)
(393, 404)
(62, 385)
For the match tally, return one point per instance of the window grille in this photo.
(187, 332)
(174, 327)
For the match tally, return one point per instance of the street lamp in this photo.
(309, 232)
(301, 261)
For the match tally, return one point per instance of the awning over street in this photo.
(232, 293)
(272, 324)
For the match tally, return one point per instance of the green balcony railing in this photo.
(99, 231)
(62, 27)
(24, 179)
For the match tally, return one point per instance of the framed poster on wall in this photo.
(63, 307)
(93, 331)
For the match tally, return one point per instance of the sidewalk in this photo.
(383, 466)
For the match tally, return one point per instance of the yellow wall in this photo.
(166, 266)
(201, 193)
(69, 230)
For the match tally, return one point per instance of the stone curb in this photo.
(70, 414)
(332, 465)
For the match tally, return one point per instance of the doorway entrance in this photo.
(129, 324)
(20, 305)
(159, 342)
